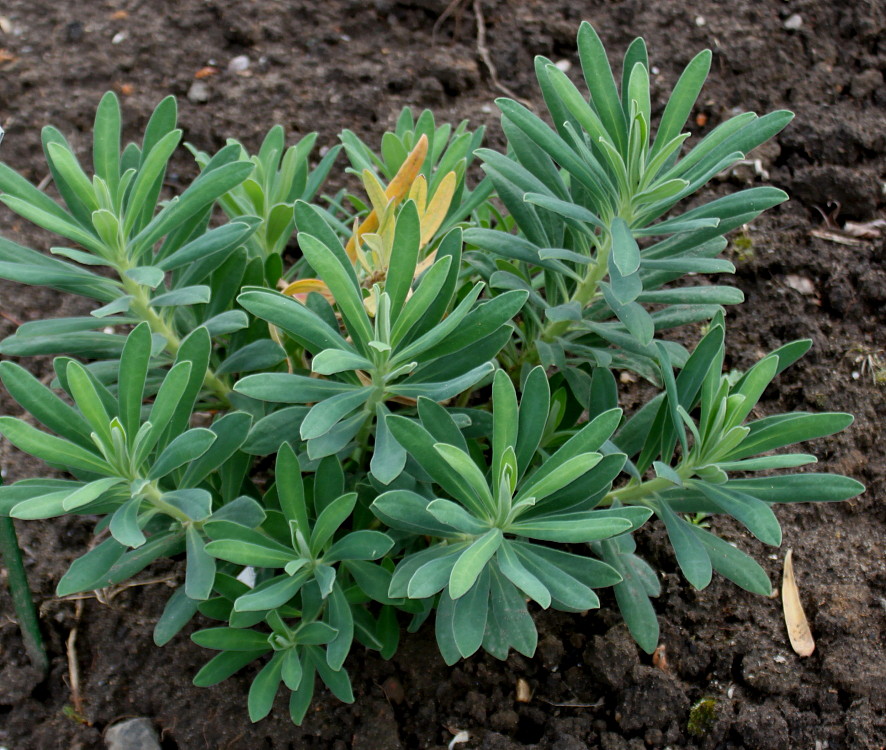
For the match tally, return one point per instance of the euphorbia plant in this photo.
(431, 378)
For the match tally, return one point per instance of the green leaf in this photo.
(428, 290)
(756, 515)
(300, 700)
(290, 488)
(187, 447)
(633, 600)
(91, 567)
(286, 388)
(509, 624)
(292, 671)
(177, 613)
(142, 194)
(347, 295)
(264, 688)
(565, 473)
(188, 295)
(682, 99)
(44, 405)
(342, 620)
(330, 519)
(601, 83)
(337, 681)
(514, 570)
(388, 456)
(90, 492)
(131, 377)
(480, 500)
(244, 546)
(444, 390)
(360, 545)
(570, 527)
(332, 361)
(405, 510)
(200, 570)
(734, 564)
(298, 322)
(567, 592)
(625, 250)
(125, 527)
(691, 553)
(534, 407)
(469, 616)
(403, 257)
(327, 413)
(223, 665)
(778, 431)
(51, 449)
(472, 561)
(272, 593)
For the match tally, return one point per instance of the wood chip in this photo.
(794, 617)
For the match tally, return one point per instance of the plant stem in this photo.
(22, 601)
(585, 291)
(634, 492)
(141, 305)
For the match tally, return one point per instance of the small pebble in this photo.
(793, 22)
(238, 64)
(563, 65)
(799, 284)
(700, 21)
(198, 92)
(119, 37)
(133, 734)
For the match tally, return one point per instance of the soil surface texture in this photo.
(338, 64)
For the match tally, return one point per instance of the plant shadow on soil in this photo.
(347, 63)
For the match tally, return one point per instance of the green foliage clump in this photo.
(418, 417)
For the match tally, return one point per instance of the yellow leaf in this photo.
(438, 208)
(419, 193)
(794, 617)
(398, 188)
(301, 288)
(375, 191)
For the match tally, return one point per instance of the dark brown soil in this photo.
(348, 63)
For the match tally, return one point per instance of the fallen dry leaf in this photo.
(205, 72)
(830, 236)
(794, 617)
(119, 15)
(6, 56)
(524, 693)
(868, 230)
(659, 659)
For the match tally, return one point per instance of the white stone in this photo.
(238, 64)
(133, 734)
(793, 22)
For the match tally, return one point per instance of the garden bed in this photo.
(327, 66)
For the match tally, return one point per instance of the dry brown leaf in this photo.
(794, 617)
(524, 692)
(659, 658)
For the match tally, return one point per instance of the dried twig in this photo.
(483, 51)
(73, 668)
